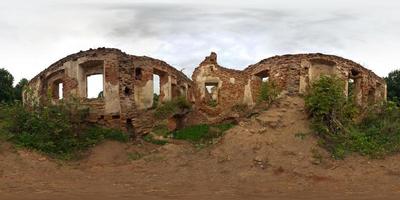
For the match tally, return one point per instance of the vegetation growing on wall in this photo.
(169, 108)
(333, 121)
(269, 91)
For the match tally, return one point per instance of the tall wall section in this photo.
(127, 86)
(293, 74)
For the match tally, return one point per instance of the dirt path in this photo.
(270, 156)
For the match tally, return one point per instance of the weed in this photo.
(149, 138)
(57, 130)
(269, 91)
(169, 108)
(212, 103)
(134, 156)
(161, 130)
(317, 156)
(300, 135)
(332, 113)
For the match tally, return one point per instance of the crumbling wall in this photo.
(127, 93)
(293, 74)
(227, 86)
(128, 85)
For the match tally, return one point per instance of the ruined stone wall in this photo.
(293, 74)
(127, 86)
(128, 89)
(227, 86)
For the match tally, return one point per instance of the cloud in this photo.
(35, 34)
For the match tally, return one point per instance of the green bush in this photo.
(269, 91)
(167, 109)
(57, 130)
(379, 132)
(332, 114)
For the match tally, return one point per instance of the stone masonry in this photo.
(128, 84)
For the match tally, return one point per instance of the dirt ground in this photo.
(271, 156)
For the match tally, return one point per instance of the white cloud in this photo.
(34, 34)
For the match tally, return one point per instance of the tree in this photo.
(6, 86)
(19, 88)
(393, 85)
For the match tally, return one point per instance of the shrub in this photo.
(57, 130)
(269, 91)
(379, 132)
(330, 110)
(332, 114)
(169, 108)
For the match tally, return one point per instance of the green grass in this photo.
(201, 132)
(193, 133)
(149, 138)
(95, 134)
(161, 130)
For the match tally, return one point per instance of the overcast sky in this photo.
(36, 33)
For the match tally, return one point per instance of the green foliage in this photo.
(212, 103)
(393, 85)
(193, 133)
(100, 95)
(331, 111)
(202, 132)
(332, 119)
(95, 134)
(156, 99)
(57, 130)
(6, 87)
(269, 91)
(4, 134)
(167, 109)
(224, 127)
(379, 132)
(19, 88)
